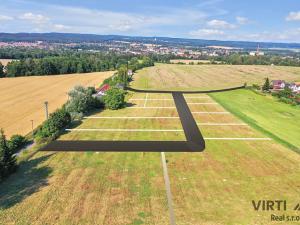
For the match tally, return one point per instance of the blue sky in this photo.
(254, 20)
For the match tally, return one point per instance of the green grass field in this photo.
(213, 187)
(278, 120)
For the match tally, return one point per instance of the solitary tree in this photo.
(266, 86)
(7, 160)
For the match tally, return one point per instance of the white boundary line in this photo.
(195, 97)
(156, 99)
(168, 189)
(142, 130)
(145, 103)
(133, 117)
(241, 139)
(173, 107)
(203, 103)
(210, 112)
(157, 107)
(124, 130)
(152, 99)
(222, 124)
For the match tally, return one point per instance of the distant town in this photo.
(180, 48)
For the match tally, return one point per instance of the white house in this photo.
(295, 87)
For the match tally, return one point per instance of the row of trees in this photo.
(72, 62)
(241, 59)
(24, 53)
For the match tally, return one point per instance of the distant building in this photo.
(257, 52)
(101, 91)
(278, 84)
(295, 87)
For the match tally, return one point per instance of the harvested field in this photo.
(22, 99)
(207, 77)
(128, 188)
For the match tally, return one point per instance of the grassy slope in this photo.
(278, 120)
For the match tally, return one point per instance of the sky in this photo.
(251, 20)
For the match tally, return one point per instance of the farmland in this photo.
(128, 188)
(207, 77)
(22, 99)
(239, 164)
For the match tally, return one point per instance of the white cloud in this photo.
(242, 20)
(34, 18)
(84, 20)
(5, 18)
(60, 27)
(206, 33)
(220, 24)
(293, 16)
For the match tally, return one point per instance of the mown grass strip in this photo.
(254, 125)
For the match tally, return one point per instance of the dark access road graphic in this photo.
(184, 92)
(194, 139)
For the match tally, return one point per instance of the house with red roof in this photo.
(101, 91)
(278, 84)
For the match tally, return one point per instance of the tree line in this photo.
(73, 63)
(241, 59)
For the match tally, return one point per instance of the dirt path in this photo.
(168, 189)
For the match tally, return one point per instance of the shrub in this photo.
(82, 100)
(76, 116)
(256, 86)
(16, 142)
(52, 127)
(114, 99)
(286, 100)
(8, 163)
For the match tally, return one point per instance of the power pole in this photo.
(46, 109)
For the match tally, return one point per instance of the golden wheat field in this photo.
(22, 99)
(207, 77)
